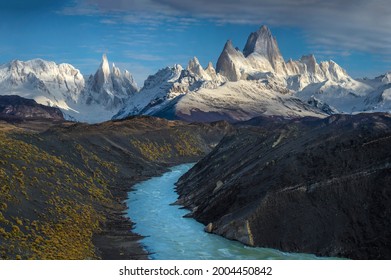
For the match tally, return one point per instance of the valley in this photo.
(305, 185)
(290, 157)
(63, 188)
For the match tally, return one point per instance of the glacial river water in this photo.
(170, 236)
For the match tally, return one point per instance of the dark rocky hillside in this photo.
(319, 186)
(63, 188)
(13, 107)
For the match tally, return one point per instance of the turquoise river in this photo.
(169, 236)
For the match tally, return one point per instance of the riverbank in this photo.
(319, 186)
(171, 236)
(118, 241)
(69, 202)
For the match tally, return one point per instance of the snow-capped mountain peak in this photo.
(254, 82)
(260, 55)
(109, 88)
(262, 42)
(115, 71)
(203, 75)
(195, 67)
(102, 75)
(230, 62)
(28, 78)
(310, 62)
(63, 86)
(387, 78)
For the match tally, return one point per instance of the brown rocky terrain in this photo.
(16, 108)
(63, 184)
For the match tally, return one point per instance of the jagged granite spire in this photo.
(102, 75)
(263, 43)
(109, 87)
(226, 64)
(195, 67)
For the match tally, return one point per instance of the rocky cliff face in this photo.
(229, 62)
(261, 54)
(262, 43)
(309, 185)
(109, 87)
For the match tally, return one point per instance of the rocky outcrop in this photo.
(229, 62)
(306, 185)
(13, 107)
(109, 87)
(262, 43)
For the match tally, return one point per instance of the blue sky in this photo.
(143, 36)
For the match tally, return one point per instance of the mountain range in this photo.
(245, 84)
(93, 98)
(289, 172)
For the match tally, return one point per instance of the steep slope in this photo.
(238, 101)
(262, 43)
(64, 87)
(306, 185)
(62, 190)
(157, 89)
(260, 55)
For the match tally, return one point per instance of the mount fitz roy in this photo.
(245, 84)
(257, 82)
(90, 99)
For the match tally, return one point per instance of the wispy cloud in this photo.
(108, 21)
(143, 56)
(359, 25)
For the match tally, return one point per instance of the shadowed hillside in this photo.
(306, 185)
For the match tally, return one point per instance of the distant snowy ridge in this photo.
(63, 86)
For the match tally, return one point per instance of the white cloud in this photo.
(143, 57)
(349, 25)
